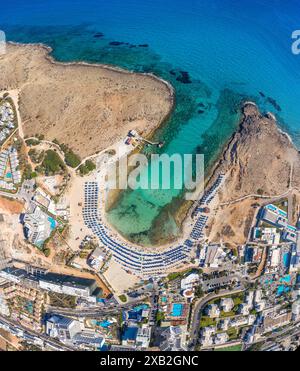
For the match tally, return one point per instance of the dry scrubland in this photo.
(87, 107)
(259, 159)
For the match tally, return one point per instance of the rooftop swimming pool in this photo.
(277, 210)
(272, 207)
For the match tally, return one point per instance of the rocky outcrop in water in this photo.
(259, 157)
(98, 35)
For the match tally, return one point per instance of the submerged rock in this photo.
(274, 104)
(98, 35)
(184, 77)
(117, 43)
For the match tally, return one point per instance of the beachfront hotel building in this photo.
(58, 283)
(62, 327)
(10, 175)
(37, 225)
(279, 218)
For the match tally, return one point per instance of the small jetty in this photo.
(135, 139)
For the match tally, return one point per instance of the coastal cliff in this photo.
(260, 158)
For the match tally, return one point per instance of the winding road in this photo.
(198, 308)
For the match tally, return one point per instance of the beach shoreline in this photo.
(183, 218)
(108, 67)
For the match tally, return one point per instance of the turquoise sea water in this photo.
(216, 53)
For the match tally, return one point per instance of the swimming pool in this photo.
(52, 223)
(141, 307)
(286, 259)
(104, 324)
(277, 210)
(269, 282)
(282, 289)
(272, 207)
(286, 279)
(249, 255)
(177, 310)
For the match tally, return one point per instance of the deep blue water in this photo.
(231, 49)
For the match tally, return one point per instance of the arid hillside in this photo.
(261, 164)
(87, 107)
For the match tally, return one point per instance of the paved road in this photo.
(14, 327)
(290, 208)
(94, 312)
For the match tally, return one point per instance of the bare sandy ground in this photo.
(119, 279)
(88, 107)
(8, 206)
(262, 165)
(231, 223)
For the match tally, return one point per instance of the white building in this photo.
(259, 303)
(173, 339)
(224, 324)
(207, 336)
(143, 337)
(62, 328)
(215, 256)
(68, 285)
(62, 284)
(4, 308)
(275, 257)
(249, 298)
(213, 311)
(37, 225)
(296, 310)
(189, 282)
(239, 321)
(244, 309)
(88, 339)
(227, 304)
(96, 258)
(221, 338)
